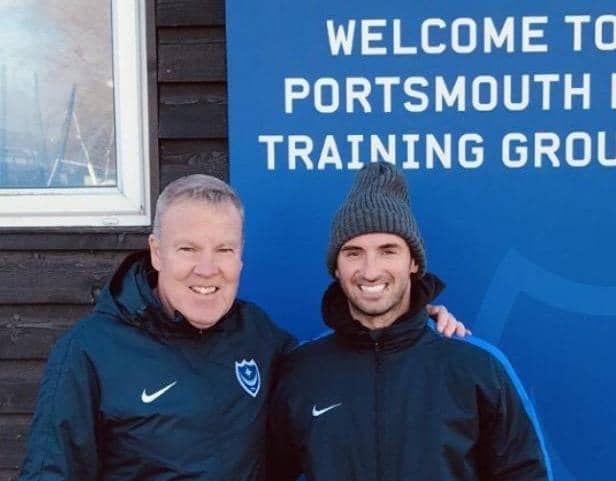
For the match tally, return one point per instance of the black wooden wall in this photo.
(49, 278)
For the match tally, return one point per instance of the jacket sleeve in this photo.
(63, 439)
(515, 445)
(283, 459)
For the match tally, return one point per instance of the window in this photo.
(73, 114)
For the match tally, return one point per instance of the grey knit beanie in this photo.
(377, 202)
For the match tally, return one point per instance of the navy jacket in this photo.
(400, 404)
(131, 395)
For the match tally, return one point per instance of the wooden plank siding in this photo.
(27, 331)
(183, 157)
(55, 277)
(18, 385)
(188, 13)
(49, 278)
(205, 47)
(13, 435)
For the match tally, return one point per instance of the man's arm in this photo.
(514, 445)
(62, 444)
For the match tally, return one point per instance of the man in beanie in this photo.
(384, 397)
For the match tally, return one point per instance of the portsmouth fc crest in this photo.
(247, 373)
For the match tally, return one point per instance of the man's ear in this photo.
(414, 266)
(154, 244)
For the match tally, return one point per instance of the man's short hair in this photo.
(194, 187)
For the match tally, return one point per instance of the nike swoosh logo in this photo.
(148, 398)
(317, 412)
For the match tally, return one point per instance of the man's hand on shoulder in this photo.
(446, 323)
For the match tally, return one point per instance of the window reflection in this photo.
(56, 94)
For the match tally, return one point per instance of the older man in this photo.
(383, 397)
(168, 378)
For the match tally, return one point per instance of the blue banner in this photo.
(501, 114)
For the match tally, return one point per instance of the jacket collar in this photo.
(402, 333)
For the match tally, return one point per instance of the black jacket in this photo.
(401, 404)
(131, 395)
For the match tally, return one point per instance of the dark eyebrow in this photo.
(390, 246)
(350, 248)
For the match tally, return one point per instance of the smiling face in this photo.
(198, 256)
(374, 272)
